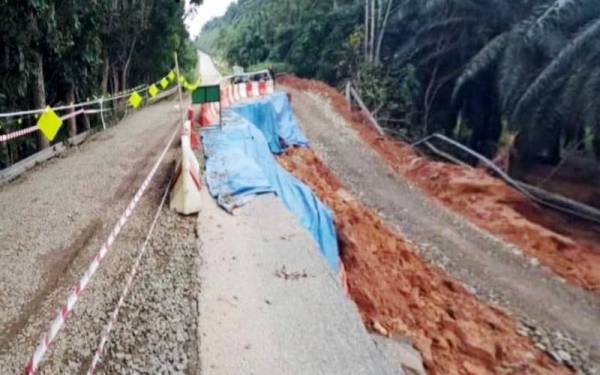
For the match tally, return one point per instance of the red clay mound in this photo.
(569, 248)
(396, 290)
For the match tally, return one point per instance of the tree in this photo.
(62, 51)
(482, 67)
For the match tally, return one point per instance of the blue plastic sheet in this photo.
(240, 165)
(273, 116)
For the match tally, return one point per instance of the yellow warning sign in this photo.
(192, 86)
(135, 99)
(49, 123)
(172, 75)
(164, 83)
(153, 90)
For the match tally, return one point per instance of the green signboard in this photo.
(206, 94)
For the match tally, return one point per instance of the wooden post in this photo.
(102, 112)
(72, 121)
(365, 110)
(348, 96)
(86, 122)
(39, 94)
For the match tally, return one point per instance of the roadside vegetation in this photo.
(56, 52)
(512, 79)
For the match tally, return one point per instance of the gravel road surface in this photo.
(561, 318)
(54, 220)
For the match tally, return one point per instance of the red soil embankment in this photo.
(569, 248)
(396, 290)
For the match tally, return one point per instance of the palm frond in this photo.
(545, 78)
(482, 60)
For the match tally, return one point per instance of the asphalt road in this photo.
(208, 70)
(270, 304)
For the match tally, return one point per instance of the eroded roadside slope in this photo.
(398, 293)
(561, 318)
(569, 248)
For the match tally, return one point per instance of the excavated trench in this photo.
(399, 294)
(570, 248)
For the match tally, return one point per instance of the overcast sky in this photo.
(204, 13)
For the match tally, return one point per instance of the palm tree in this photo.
(529, 62)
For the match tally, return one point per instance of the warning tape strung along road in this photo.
(108, 327)
(119, 95)
(31, 129)
(18, 133)
(66, 308)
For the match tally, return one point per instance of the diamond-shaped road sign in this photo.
(49, 123)
(135, 99)
(164, 83)
(153, 91)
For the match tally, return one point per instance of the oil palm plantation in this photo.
(528, 64)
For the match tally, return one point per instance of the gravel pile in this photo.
(156, 329)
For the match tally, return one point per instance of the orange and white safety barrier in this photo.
(185, 197)
(234, 93)
(209, 113)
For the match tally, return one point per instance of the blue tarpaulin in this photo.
(273, 116)
(240, 165)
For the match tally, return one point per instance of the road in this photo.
(269, 302)
(210, 73)
(54, 219)
(216, 294)
(488, 266)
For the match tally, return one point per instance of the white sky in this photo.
(204, 13)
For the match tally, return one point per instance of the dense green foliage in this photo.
(471, 69)
(62, 51)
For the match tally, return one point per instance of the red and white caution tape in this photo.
(18, 133)
(66, 308)
(132, 273)
(119, 95)
(72, 114)
(31, 129)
